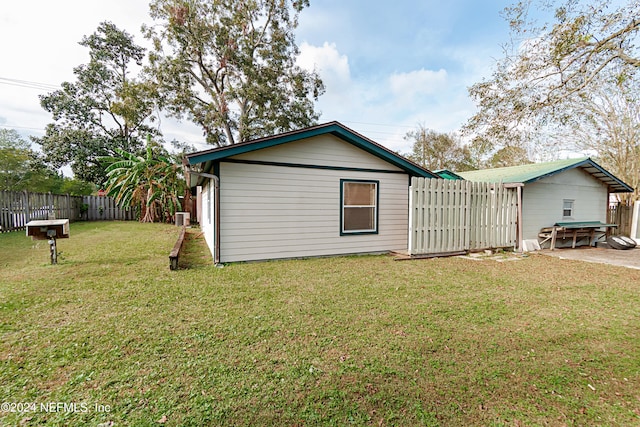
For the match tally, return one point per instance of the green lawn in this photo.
(333, 341)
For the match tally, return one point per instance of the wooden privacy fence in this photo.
(101, 208)
(454, 216)
(620, 213)
(17, 208)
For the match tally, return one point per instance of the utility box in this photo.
(48, 228)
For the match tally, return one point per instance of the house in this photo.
(319, 191)
(570, 190)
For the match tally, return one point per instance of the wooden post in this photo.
(554, 233)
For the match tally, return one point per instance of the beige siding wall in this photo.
(320, 150)
(270, 212)
(542, 200)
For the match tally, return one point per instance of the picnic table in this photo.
(575, 230)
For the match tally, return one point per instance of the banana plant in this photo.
(151, 183)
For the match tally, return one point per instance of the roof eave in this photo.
(333, 128)
(618, 185)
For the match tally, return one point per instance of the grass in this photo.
(334, 341)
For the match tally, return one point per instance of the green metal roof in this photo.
(533, 172)
(333, 128)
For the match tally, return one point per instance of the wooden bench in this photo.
(575, 230)
(175, 252)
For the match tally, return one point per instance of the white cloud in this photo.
(327, 61)
(40, 44)
(409, 86)
(381, 107)
(341, 93)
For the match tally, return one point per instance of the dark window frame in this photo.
(376, 207)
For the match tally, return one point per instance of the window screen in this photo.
(359, 206)
(567, 208)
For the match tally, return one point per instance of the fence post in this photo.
(91, 208)
(20, 220)
(27, 206)
(2, 211)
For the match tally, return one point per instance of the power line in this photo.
(380, 124)
(49, 87)
(28, 84)
(21, 127)
(366, 133)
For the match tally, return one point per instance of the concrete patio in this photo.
(625, 258)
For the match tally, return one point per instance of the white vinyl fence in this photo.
(448, 216)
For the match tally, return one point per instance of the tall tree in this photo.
(22, 169)
(435, 150)
(548, 67)
(229, 66)
(609, 125)
(15, 155)
(106, 108)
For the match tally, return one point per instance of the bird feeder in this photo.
(50, 230)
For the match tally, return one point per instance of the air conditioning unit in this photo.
(183, 219)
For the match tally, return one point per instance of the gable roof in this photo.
(333, 128)
(533, 172)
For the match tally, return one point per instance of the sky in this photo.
(388, 67)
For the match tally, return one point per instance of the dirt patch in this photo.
(500, 256)
(625, 258)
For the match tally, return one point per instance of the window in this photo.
(358, 207)
(567, 208)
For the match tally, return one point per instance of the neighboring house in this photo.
(561, 191)
(323, 190)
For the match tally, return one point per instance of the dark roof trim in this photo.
(596, 171)
(334, 128)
